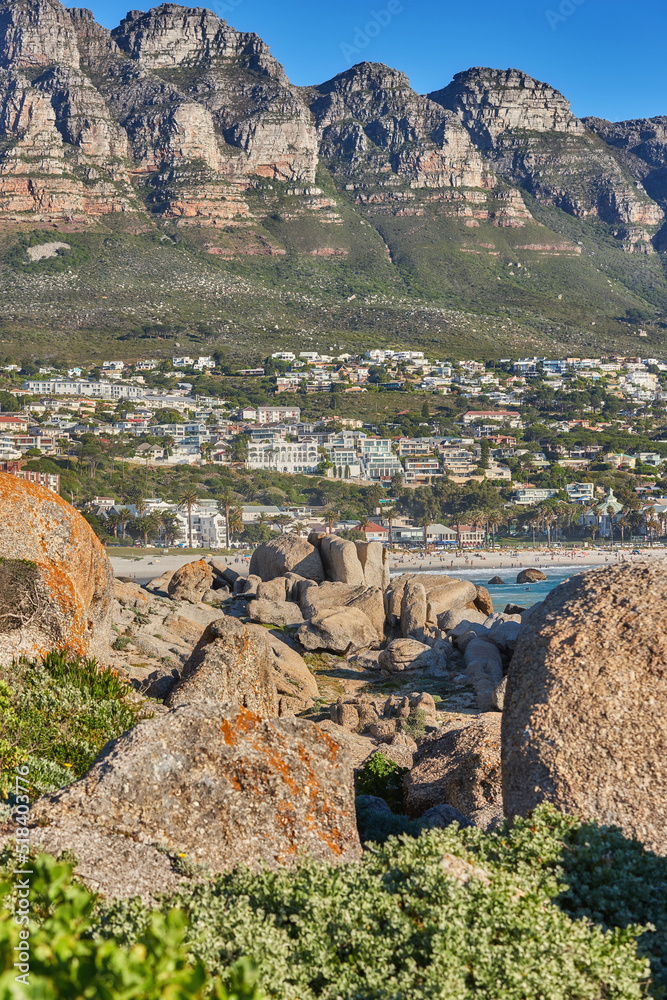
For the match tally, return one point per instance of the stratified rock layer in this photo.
(178, 113)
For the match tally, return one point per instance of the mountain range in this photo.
(200, 197)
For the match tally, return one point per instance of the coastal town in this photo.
(573, 447)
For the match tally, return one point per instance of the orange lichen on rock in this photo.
(67, 602)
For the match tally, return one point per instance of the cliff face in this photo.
(177, 114)
(492, 102)
(390, 146)
(528, 132)
(36, 33)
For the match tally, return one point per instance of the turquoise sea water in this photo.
(522, 594)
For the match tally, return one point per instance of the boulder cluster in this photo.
(267, 692)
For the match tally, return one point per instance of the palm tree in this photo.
(283, 520)
(534, 523)
(150, 525)
(623, 524)
(425, 522)
(124, 515)
(235, 521)
(652, 524)
(112, 522)
(330, 514)
(169, 526)
(187, 499)
(549, 519)
(390, 514)
(495, 519)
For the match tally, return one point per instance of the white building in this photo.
(283, 456)
(580, 492)
(531, 494)
(345, 462)
(208, 525)
(70, 387)
(276, 414)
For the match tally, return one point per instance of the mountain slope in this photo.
(207, 199)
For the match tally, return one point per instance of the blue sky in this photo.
(606, 56)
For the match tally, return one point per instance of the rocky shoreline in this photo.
(264, 695)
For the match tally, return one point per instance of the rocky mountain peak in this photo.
(491, 101)
(36, 33)
(366, 76)
(170, 36)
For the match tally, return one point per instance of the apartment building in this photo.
(283, 456)
(531, 494)
(277, 414)
(69, 387)
(422, 471)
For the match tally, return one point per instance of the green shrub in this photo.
(56, 715)
(415, 724)
(382, 777)
(67, 962)
(398, 924)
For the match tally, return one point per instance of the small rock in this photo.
(191, 581)
(382, 730)
(461, 769)
(443, 815)
(230, 664)
(514, 609)
(531, 576)
(282, 614)
(372, 802)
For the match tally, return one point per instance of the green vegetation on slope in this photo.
(56, 714)
(341, 276)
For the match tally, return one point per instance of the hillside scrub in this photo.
(56, 715)
(547, 907)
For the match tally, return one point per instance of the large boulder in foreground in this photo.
(56, 582)
(231, 664)
(586, 703)
(460, 769)
(215, 783)
(286, 554)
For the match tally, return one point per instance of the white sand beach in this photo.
(142, 569)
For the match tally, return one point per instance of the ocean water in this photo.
(523, 594)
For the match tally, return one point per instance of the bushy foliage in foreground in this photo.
(535, 916)
(68, 963)
(56, 715)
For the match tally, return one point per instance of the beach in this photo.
(143, 569)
